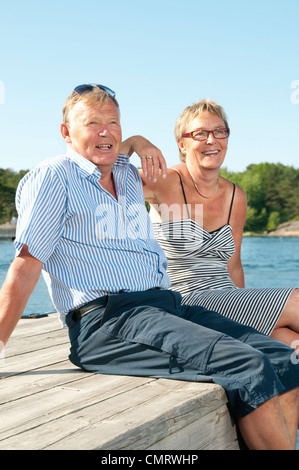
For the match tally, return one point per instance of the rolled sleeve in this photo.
(41, 205)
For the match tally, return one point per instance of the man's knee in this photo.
(238, 359)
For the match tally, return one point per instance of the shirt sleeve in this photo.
(41, 202)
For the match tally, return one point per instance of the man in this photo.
(82, 220)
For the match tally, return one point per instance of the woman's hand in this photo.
(152, 160)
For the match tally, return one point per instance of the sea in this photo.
(267, 262)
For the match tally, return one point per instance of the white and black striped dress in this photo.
(198, 270)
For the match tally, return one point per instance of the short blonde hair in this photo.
(95, 96)
(190, 113)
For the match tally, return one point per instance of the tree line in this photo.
(9, 180)
(272, 193)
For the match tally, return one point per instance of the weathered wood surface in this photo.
(47, 403)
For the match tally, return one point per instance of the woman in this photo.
(203, 246)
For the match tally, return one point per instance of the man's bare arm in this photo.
(18, 286)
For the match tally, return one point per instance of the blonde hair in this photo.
(95, 96)
(190, 113)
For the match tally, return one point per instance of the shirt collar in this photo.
(88, 168)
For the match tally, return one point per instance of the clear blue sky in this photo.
(159, 56)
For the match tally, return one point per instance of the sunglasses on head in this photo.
(87, 88)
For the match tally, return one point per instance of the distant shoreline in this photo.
(7, 231)
(287, 229)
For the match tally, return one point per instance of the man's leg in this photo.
(289, 403)
(266, 427)
(153, 340)
(283, 359)
(285, 407)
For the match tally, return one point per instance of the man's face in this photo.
(94, 131)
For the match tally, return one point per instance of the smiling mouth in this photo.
(104, 146)
(211, 152)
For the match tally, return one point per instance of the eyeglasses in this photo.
(202, 134)
(87, 88)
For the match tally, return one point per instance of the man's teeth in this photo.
(106, 147)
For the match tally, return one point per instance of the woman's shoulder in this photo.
(238, 199)
(160, 190)
(175, 172)
(232, 187)
(240, 196)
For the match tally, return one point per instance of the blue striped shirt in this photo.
(90, 244)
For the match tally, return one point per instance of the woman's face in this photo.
(209, 153)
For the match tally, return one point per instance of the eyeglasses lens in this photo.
(217, 134)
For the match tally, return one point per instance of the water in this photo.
(271, 261)
(39, 301)
(267, 262)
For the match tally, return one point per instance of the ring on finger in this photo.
(142, 157)
(149, 158)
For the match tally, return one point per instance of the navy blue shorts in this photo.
(151, 334)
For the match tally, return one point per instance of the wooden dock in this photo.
(47, 403)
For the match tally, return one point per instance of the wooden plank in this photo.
(35, 381)
(132, 419)
(33, 360)
(214, 431)
(47, 403)
(35, 344)
(32, 326)
(27, 414)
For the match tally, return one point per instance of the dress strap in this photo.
(183, 190)
(231, 204)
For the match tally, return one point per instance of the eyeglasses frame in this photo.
(190, 134)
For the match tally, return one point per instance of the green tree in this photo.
(9, 181)
(272, 194)
(273, 221)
